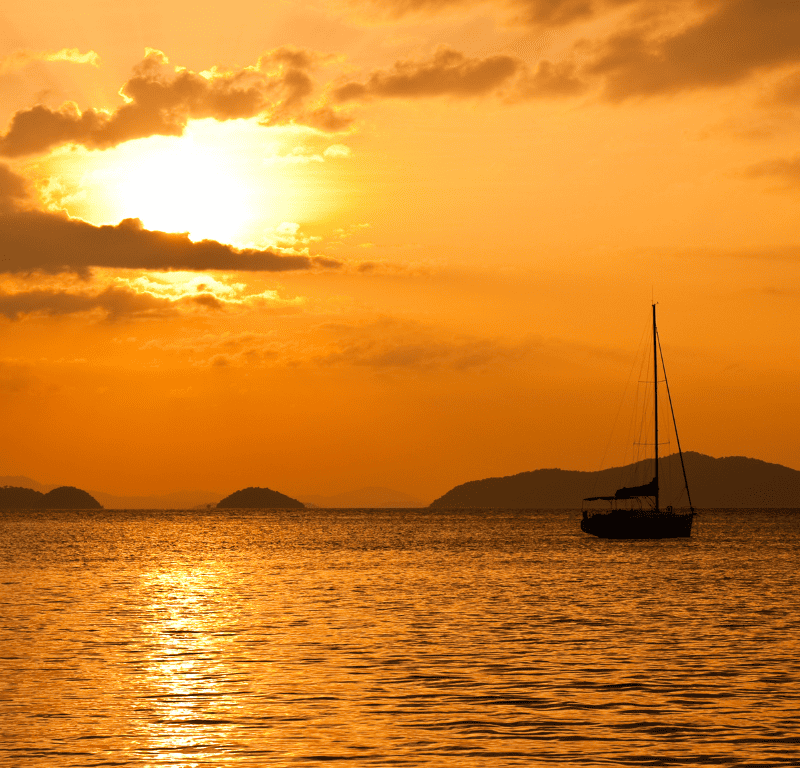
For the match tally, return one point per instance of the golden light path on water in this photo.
(184, 633)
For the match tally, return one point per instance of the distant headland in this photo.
(259, 498)
(725, 483)
(65, 497)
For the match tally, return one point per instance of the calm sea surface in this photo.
(396, 637)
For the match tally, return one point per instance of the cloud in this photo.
(447, 73)
(298, 156)
(555, 13)
(549, 80)
(13, 190)
(49, 242)
(161, 99)
(144, 297)
(391, 344)
(660, 47)
(787, 91)
(787, 169)
(384, 345)
(207, 291)
(113, 303)
(17, 378)
(451, 73)
(41, 241)
(20, 59)
(551, 13)
(734, 40)
(229, 349)
(337, 150)
(304, 155)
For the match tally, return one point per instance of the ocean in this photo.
(396, 637)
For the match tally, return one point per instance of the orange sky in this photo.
(317, 246)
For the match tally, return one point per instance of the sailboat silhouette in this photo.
(627, 517)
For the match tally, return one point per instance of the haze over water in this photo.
(404, 637)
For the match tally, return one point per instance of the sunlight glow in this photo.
(183, 186)
(226, 181)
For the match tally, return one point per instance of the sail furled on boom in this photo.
(650, 489)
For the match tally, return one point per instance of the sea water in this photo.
(396, 637)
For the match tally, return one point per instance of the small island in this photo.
(259, 498)
(65, 497)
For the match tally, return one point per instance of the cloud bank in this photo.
(53, 243)
(113, 303)
(547, 13)
(161, 99)
(448, 72)
(41, 241)
(660, 47)
(735, 40)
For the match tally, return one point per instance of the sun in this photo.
(236, 182)
(186, 185)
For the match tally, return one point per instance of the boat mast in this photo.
(655, 393)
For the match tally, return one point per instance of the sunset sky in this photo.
(316, 246)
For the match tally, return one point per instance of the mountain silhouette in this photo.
(65, 497)
(729, 482)
(259, 498)
(20, 481)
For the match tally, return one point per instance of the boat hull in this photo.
(638, 524)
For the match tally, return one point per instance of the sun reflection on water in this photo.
(189, 685)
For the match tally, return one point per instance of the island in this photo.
(731, 482)
(259, 498)
(65, 497)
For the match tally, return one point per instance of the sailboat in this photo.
(634, 512)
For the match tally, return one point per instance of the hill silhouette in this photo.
(172, 500)
(65, 497)
(259, 498)
(729, 482)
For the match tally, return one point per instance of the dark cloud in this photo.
(736, 39)
(208, 300)
(447, 73)
(326, 119)
(13, 190)
(665, 46)
(113, 303)
(161, 99)
(53, 243)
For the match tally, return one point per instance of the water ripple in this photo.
(400, 637)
